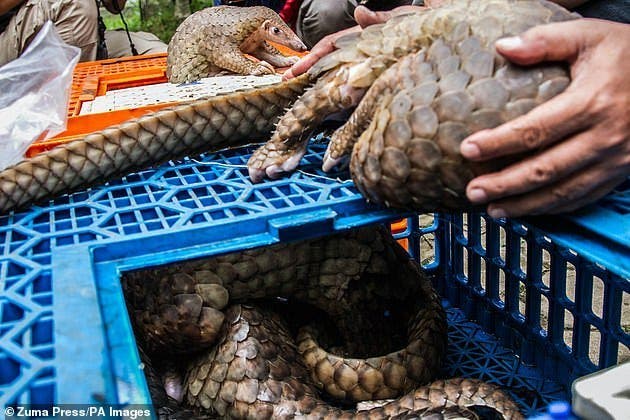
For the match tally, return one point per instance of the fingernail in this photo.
(497, 213)
(470, 150)
(477, 195)
(510, 43)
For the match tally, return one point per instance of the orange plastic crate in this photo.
(94, 78)
(400, 226)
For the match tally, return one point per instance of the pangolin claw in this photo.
(330, 163)
(269, 161)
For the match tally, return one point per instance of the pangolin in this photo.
(216, 39)
(251, 366)
(409, 125)
(255, 372)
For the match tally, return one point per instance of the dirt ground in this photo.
(427, 255)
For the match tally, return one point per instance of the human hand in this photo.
(325, 46)
(579, 141)
(364, 17)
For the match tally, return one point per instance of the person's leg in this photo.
(145, 43)
(318, 18)
(75, 21)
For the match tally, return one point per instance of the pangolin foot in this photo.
(330, 163)
(174, 386)
(273, 163)
(291, 60)
(263, 68)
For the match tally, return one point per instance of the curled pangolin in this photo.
(216, 39)
(408, 125)
(248, 364)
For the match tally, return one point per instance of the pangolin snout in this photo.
(298, 45)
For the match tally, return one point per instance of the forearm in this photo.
(6, 5)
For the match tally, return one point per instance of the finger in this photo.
(325, 46)
(560, 41)
(301, 66)
(366, 17)
(555, 119)
(584, 187)
(592, 197)
(535, 171)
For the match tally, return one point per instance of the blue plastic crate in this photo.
(546, 314)
(63, 319)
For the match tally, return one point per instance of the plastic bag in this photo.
(35, 90)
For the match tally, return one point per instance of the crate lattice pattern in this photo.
(175, 195)
(91, 70)
(560, 311)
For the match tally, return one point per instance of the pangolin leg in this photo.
(344, 138)
(235, 61)
(288, 144)
(273, 56)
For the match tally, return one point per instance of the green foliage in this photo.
(155, 16)
(200, 4)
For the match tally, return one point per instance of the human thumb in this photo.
(552, 42)
(366, 17)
